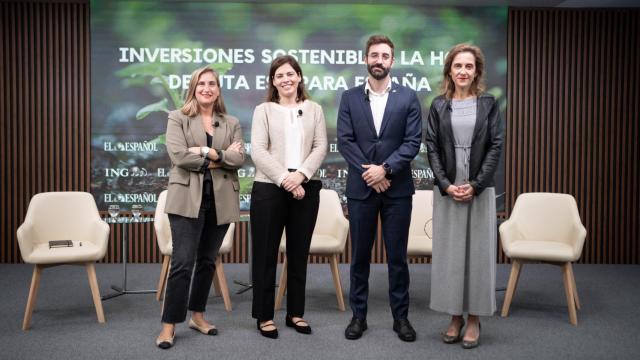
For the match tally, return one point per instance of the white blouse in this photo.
(294, 137)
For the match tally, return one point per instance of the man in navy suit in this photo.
(379, 133)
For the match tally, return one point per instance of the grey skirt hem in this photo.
(456, 313)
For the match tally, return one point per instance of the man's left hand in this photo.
(382, 186)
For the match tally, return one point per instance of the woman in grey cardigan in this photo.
(205, 147)
(288, 145)
(464, 141)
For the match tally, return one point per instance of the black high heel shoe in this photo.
(452, 339)
(302, 329)
(271, 334)
(473, 343)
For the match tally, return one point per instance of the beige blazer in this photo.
(185, 179)
(268, 141)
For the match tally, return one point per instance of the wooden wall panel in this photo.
(44, 107)
(572, 121)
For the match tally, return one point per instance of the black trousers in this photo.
(272, 210)
(195, 242)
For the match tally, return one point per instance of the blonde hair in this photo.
(448, 87)
(191, 107)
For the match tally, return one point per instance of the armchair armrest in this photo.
(25, 235)
(509, 233)
(578, 235)
(95, 231)
(100, 232)
(342, 229)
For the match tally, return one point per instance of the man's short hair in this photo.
(378, 39)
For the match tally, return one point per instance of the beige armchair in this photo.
(62, 216)
(544, 227)
(328, 240)
(421, 230)
(163, 236)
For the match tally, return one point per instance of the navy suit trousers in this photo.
(395, 214)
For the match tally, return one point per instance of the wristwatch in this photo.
(204, 150)
(387, 168)
(219, 159)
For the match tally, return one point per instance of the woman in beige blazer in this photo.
(205, 147)
(288, 145)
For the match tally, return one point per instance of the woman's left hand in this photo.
(236, 146)
(292, 180)
(298, 193)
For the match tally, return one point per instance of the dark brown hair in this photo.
(272, 92)
(378, 39)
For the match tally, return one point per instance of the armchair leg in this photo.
(333, 262)
(162, 283)
(164, 288)
(221, 280)
(216, 280)
(31, 300)
(511, 287)
(282, 287)
(95, 291)
(574, 288)
(568, 288)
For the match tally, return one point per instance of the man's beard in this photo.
(378, 75)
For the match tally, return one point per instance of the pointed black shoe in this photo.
(302, 329)
(271, 334)
(355, 328)
(404, 330)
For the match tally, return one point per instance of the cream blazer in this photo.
(185, 179)
(268, 140)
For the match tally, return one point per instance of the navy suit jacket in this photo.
(397, 144)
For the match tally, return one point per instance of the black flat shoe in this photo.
(473, 343)
(302, 329)
(271, 334)
(355, 328)
(405, 331)
(452, 339)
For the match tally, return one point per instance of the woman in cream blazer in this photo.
(288, 145)
(205, 147)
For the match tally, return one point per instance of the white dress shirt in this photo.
(377, 102)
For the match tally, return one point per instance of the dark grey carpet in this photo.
(64, 325)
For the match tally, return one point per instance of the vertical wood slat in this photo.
(4, 241)
(572, 121)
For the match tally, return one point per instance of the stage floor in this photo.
(64, 324)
